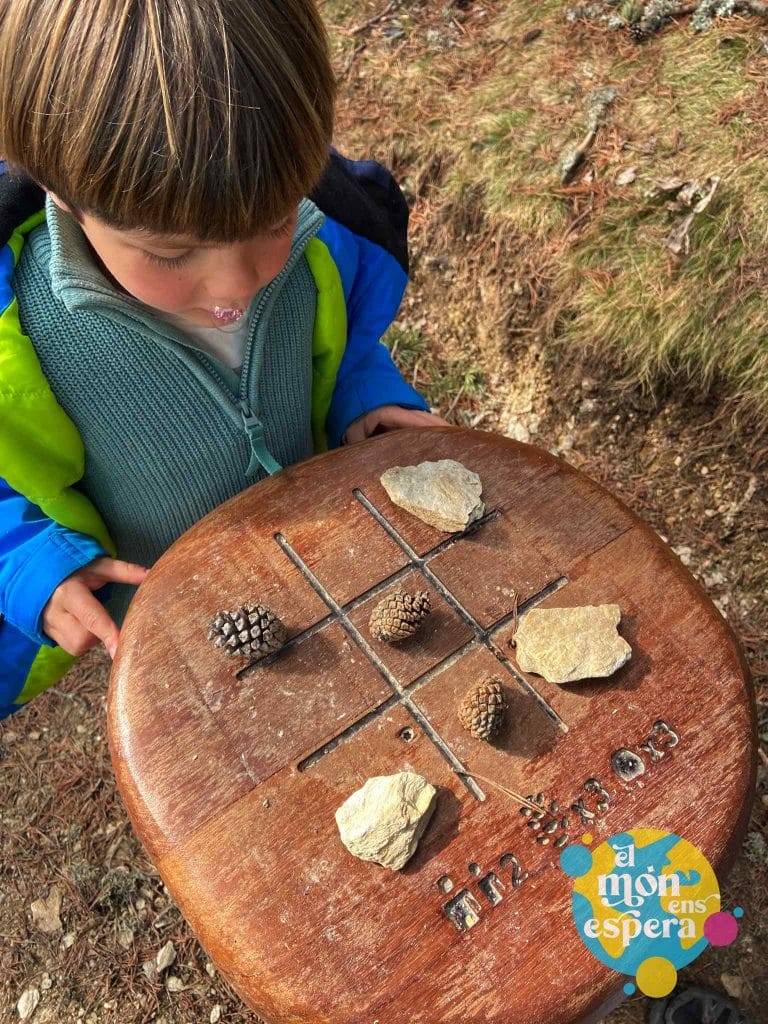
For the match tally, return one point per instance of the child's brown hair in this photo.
(208, 118)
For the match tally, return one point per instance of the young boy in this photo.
(179, 320)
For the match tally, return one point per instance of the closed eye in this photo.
(167, 261)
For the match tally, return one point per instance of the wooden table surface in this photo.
(231, 774)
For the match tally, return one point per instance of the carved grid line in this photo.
(481, 634)
(401, 693)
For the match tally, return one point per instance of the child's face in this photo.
(184, 276)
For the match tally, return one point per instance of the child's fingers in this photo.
(394, 417)
(92, 616)
(67, 632)
(355, 432)
(116, 571)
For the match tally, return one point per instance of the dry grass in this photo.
(476, 120)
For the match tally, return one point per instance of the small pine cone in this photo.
(638, 32)
(399, 615)
(483, 708)
(253, 631)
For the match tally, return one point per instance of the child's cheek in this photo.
(161, 287)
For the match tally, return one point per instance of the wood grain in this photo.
(232, 774)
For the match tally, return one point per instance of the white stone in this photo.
(444, 494)
(27, 1004)
(384, 819)
(165, 957)
(568, 644)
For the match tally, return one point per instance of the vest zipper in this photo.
(260, 454)
(254, 428)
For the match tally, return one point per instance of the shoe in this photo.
(694, 1005)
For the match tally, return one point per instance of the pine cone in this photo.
(483, 708)
(399, 615)
(638, 32)
(253, 631)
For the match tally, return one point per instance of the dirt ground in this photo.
(90, 949)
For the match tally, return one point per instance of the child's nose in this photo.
(237, 276)
(239, 273)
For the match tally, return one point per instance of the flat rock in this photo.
(568, 644)
(45, 912)
(444, 494)
(384, 819)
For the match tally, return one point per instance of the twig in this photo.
(752, 7)
(515, 796)
(453, 404)
(741, 6)
(515, 616)
(376, 18)
(575, 157)
(354, 54)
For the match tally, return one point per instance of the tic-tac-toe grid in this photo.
(402, 691)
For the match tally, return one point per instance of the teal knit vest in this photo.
(169, 431)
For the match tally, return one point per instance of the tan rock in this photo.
(733, 985)
(45, 912)
(568, 644)
(384, 819)
(444, 494)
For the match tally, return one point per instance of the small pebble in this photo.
(165, 957)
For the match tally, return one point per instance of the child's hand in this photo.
(389, 417)
(74, 618)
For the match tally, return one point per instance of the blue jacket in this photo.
(365, 234)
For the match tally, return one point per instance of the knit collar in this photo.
(79, 283)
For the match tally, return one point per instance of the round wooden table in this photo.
(231, 773)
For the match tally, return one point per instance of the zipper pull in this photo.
(260, 455)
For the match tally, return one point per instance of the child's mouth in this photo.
(225, 315)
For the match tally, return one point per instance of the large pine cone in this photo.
(399, 615)
(483, 708)
(253, 631)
